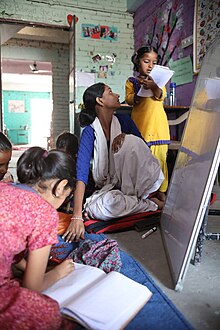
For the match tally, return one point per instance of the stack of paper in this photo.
(161, 75)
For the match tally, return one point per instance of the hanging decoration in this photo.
(108, 57)
(70, 19)
(103, 64)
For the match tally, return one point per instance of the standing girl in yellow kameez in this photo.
(148, 112)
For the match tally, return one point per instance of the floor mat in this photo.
(159, 313)
(123, 223)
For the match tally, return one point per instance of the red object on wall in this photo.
(70, 19)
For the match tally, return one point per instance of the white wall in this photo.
(26, 82)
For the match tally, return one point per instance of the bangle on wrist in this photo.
(77, 218)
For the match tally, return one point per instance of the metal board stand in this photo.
(203, 235)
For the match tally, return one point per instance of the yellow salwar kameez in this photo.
(150, 118)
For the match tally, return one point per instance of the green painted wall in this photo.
(18, 124)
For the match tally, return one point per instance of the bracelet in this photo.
(77, 218)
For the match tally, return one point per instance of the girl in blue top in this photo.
(102, 139)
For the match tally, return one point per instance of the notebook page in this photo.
(74, 284)
(110, 303)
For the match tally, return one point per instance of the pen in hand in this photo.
(149, 232)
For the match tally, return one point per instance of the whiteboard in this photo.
(195, 170)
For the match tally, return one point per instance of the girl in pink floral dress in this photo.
(28, 223)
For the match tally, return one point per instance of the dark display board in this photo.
(195, 169)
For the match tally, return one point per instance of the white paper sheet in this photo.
(161, 75)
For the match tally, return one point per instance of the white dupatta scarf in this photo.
(125, 178)
(103, 164)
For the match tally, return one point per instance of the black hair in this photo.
(139, 54)
(69, 143)
(5, 144)
(36, 165)
(88, 114)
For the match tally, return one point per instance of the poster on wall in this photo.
(206, 27)
(102, 32)
(16, 106)
(183, 71)
(108, 32)
(84, 79)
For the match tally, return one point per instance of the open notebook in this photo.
(98, 300)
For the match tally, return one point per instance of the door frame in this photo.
(23, 24)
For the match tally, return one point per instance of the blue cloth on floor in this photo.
(159, 313)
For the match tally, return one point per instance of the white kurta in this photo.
(133, 170)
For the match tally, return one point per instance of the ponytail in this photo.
(88, 113)
(36, 165)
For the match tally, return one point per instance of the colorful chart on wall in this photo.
(206, 27)
(103, 32)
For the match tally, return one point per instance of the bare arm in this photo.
(76, 229)
(35, 277)
(21, 265)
